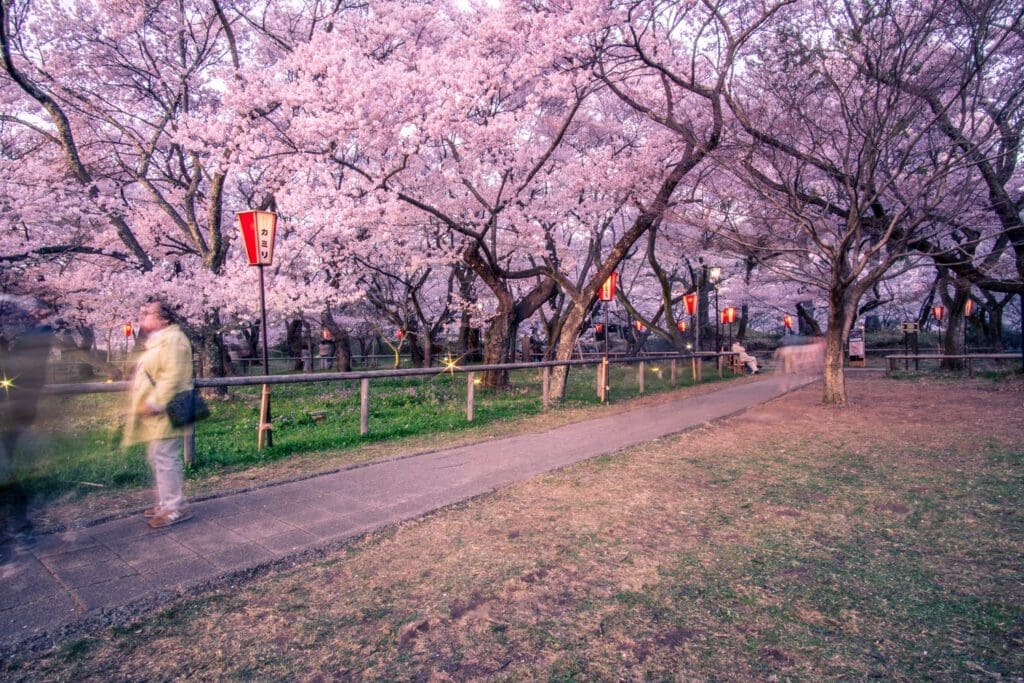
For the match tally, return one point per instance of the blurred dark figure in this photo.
(25, 344)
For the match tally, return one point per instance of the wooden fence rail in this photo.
(967, 358)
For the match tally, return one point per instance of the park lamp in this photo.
(729, 315)
(715, 274)
(690, 301)
(607, 292)
(939, 312)
(258, 231)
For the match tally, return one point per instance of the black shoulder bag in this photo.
(185, 407)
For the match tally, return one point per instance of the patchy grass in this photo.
(794, 541)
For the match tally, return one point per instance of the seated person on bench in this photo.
(746, 359)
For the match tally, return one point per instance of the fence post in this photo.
(545, 386)
(470, 395)
(364, 406)
(188, 454)
(640, 376)
(673, 372)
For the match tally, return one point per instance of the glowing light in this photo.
(450, 364)
(607, 291)
(690, 301)
(7, 383)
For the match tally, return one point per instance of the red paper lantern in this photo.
(681, 325)
(258, 231)
(690, 301)
(607, 292)
(729, 315)
(599, 328)
(639, 325)
(968, 306)
(400, 334)
(128, 329)
(939, 312)
(787, 320)
(326, 335)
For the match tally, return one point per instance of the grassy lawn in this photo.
(78, 469)
(793, 541)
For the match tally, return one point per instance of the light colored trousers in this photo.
(165, 460)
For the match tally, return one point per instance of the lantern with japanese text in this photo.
(607, 292)
(258, 230)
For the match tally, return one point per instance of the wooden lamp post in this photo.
(258, 231)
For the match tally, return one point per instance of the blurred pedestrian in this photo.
(26, 341)
(163, 370)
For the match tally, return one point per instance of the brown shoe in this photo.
(150, 513)
(164, 519)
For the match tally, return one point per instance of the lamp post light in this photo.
(968, 309)
(691, 302)
(258, 230)
(606, 295)
(128, 330)
(729, 317)
(715, 276)
(939, 312)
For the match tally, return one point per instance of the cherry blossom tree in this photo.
(845, 170)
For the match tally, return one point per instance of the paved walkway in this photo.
(100, 573)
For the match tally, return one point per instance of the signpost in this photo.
(910, 331)
(858, 356)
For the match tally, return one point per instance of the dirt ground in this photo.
(793, 541)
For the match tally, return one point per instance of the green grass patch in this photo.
(77, 450)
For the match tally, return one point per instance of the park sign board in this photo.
(857, 356)
(258, 230)
(909, 328)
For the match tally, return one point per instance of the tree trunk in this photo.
(497, 342)
(296, 342)
(841, 312)
(212, 356)
(566, 344)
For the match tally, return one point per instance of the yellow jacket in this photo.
(164, 369)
